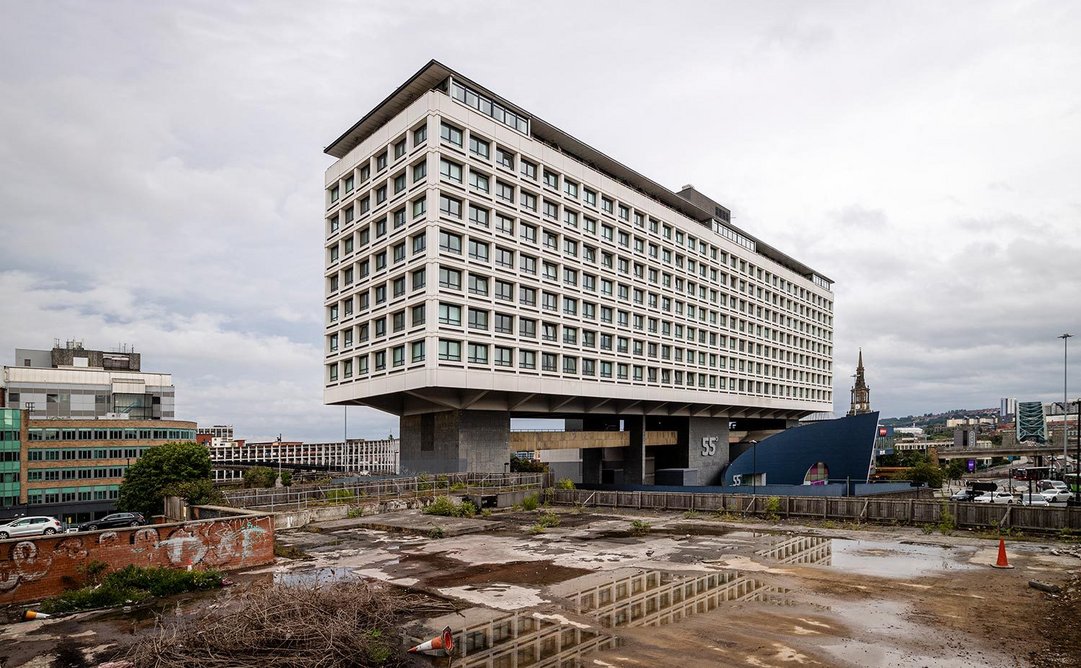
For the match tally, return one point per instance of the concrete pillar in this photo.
(455, 441)
(707, 448)
(634, 460)
(591, 465)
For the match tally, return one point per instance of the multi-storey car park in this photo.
(482, 264)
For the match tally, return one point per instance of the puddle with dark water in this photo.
(867, 557)
(314, 576)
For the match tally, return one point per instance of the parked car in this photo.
(964, 495)
(114, 521)
(1033, 499)
(1048, 485)
(994, 497)
(30, 526)
(1055, 495)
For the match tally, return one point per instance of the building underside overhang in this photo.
(537, 405)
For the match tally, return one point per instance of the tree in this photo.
(260, 476)
(143, 489)
(954, 470)
(287, 478)
(926, 473)
(196, 492)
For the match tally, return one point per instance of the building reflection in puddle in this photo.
(650, 598)
(812, 550)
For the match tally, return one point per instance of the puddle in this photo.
(649, 598)
(313, 576)
(867, 557)
(894, 560)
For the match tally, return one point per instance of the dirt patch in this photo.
(1061, 627)
(515, 572)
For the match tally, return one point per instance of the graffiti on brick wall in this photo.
(225, 544)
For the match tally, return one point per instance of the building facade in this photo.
(482, 263)
(72, 468)
(70, 381)
(377, 457)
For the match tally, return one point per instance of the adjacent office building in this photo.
(72, 421)
(376, 457)
(73, 382)
(482, 263)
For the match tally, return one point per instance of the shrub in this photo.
(445, 507)
(565, 483)
(640, 527)
(132, 584)
(773, 508)
(339, 495)
(548, 519)
(531, 502)
(260, 476)
(947, 522)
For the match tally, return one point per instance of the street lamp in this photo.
(1065, 405)
(754, 467)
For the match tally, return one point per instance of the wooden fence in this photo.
(852, 509)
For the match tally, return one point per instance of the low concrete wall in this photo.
(35, 568)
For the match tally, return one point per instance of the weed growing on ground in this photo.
(537, 528)
(339, 495)
(531, 502)
(640, 527)
(132, 584)
(946, 523)
(355, 512)
(436, 533)
(548, 519)
(691, 515)
(773, 508)
(445, 507)
(565, 483)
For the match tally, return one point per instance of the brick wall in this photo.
(35, 568)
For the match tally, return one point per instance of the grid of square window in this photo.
(534, 271)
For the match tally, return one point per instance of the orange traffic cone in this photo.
(34, 614)
(1002, 562)
(441, 645)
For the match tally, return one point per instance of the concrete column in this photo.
(634, 460)
(707, 448)
(591, 465)
(455, 441)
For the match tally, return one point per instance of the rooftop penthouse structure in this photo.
(482, 264)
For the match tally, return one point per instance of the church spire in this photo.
(861, 394)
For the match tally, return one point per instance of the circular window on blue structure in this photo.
(818, 474)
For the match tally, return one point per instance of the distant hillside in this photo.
(933, 419)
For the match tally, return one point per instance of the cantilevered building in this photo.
(482, 264)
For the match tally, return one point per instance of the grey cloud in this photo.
(161, 171)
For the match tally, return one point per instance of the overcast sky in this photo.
(161, 172)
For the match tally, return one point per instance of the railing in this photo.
(386, 489)
(856, 509)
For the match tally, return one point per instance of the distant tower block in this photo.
(861, 394)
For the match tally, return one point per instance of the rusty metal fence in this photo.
(385, 489)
